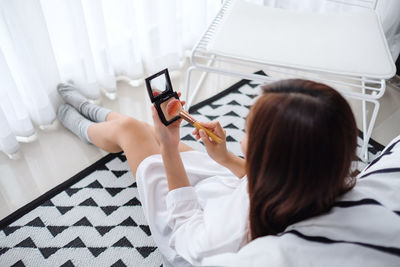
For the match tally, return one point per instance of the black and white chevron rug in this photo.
(95, 218)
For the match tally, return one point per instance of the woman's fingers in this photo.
(183, 102)
(156, 119)
(219, 130)
(196, 134)
(205, 138)
(208, 124)
(214, 126)
(177, 123)
(154, 114)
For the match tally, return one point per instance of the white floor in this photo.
(58, 155)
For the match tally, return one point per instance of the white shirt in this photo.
(202, 231)
(208, 218)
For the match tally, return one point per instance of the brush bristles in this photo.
(174, 107)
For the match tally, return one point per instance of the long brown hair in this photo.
(302, 138)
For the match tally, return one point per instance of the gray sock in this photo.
(94, 112)
(72, 96)
(74, 121)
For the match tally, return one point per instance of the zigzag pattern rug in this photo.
(95, 218)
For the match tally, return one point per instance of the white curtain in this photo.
(90, 43)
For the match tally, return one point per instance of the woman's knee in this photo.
(132, 129)
(127, 123)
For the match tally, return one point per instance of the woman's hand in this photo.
(216, 151)
(168, 136)
(219, 152)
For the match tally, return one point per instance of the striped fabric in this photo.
(361, 229)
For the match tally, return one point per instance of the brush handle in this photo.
(209, 133)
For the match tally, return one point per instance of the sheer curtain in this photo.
(91, 43)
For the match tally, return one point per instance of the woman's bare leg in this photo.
(122, 133)
(115, 116)
(114, 132)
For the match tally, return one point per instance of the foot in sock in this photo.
(74, 121)
(73, 97)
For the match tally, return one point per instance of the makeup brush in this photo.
(174, 108)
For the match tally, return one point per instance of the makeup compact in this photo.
(167, 102)
(161, 93)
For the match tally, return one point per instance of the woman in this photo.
(301, 139)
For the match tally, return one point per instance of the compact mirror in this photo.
(160, 92)
(158, 85)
